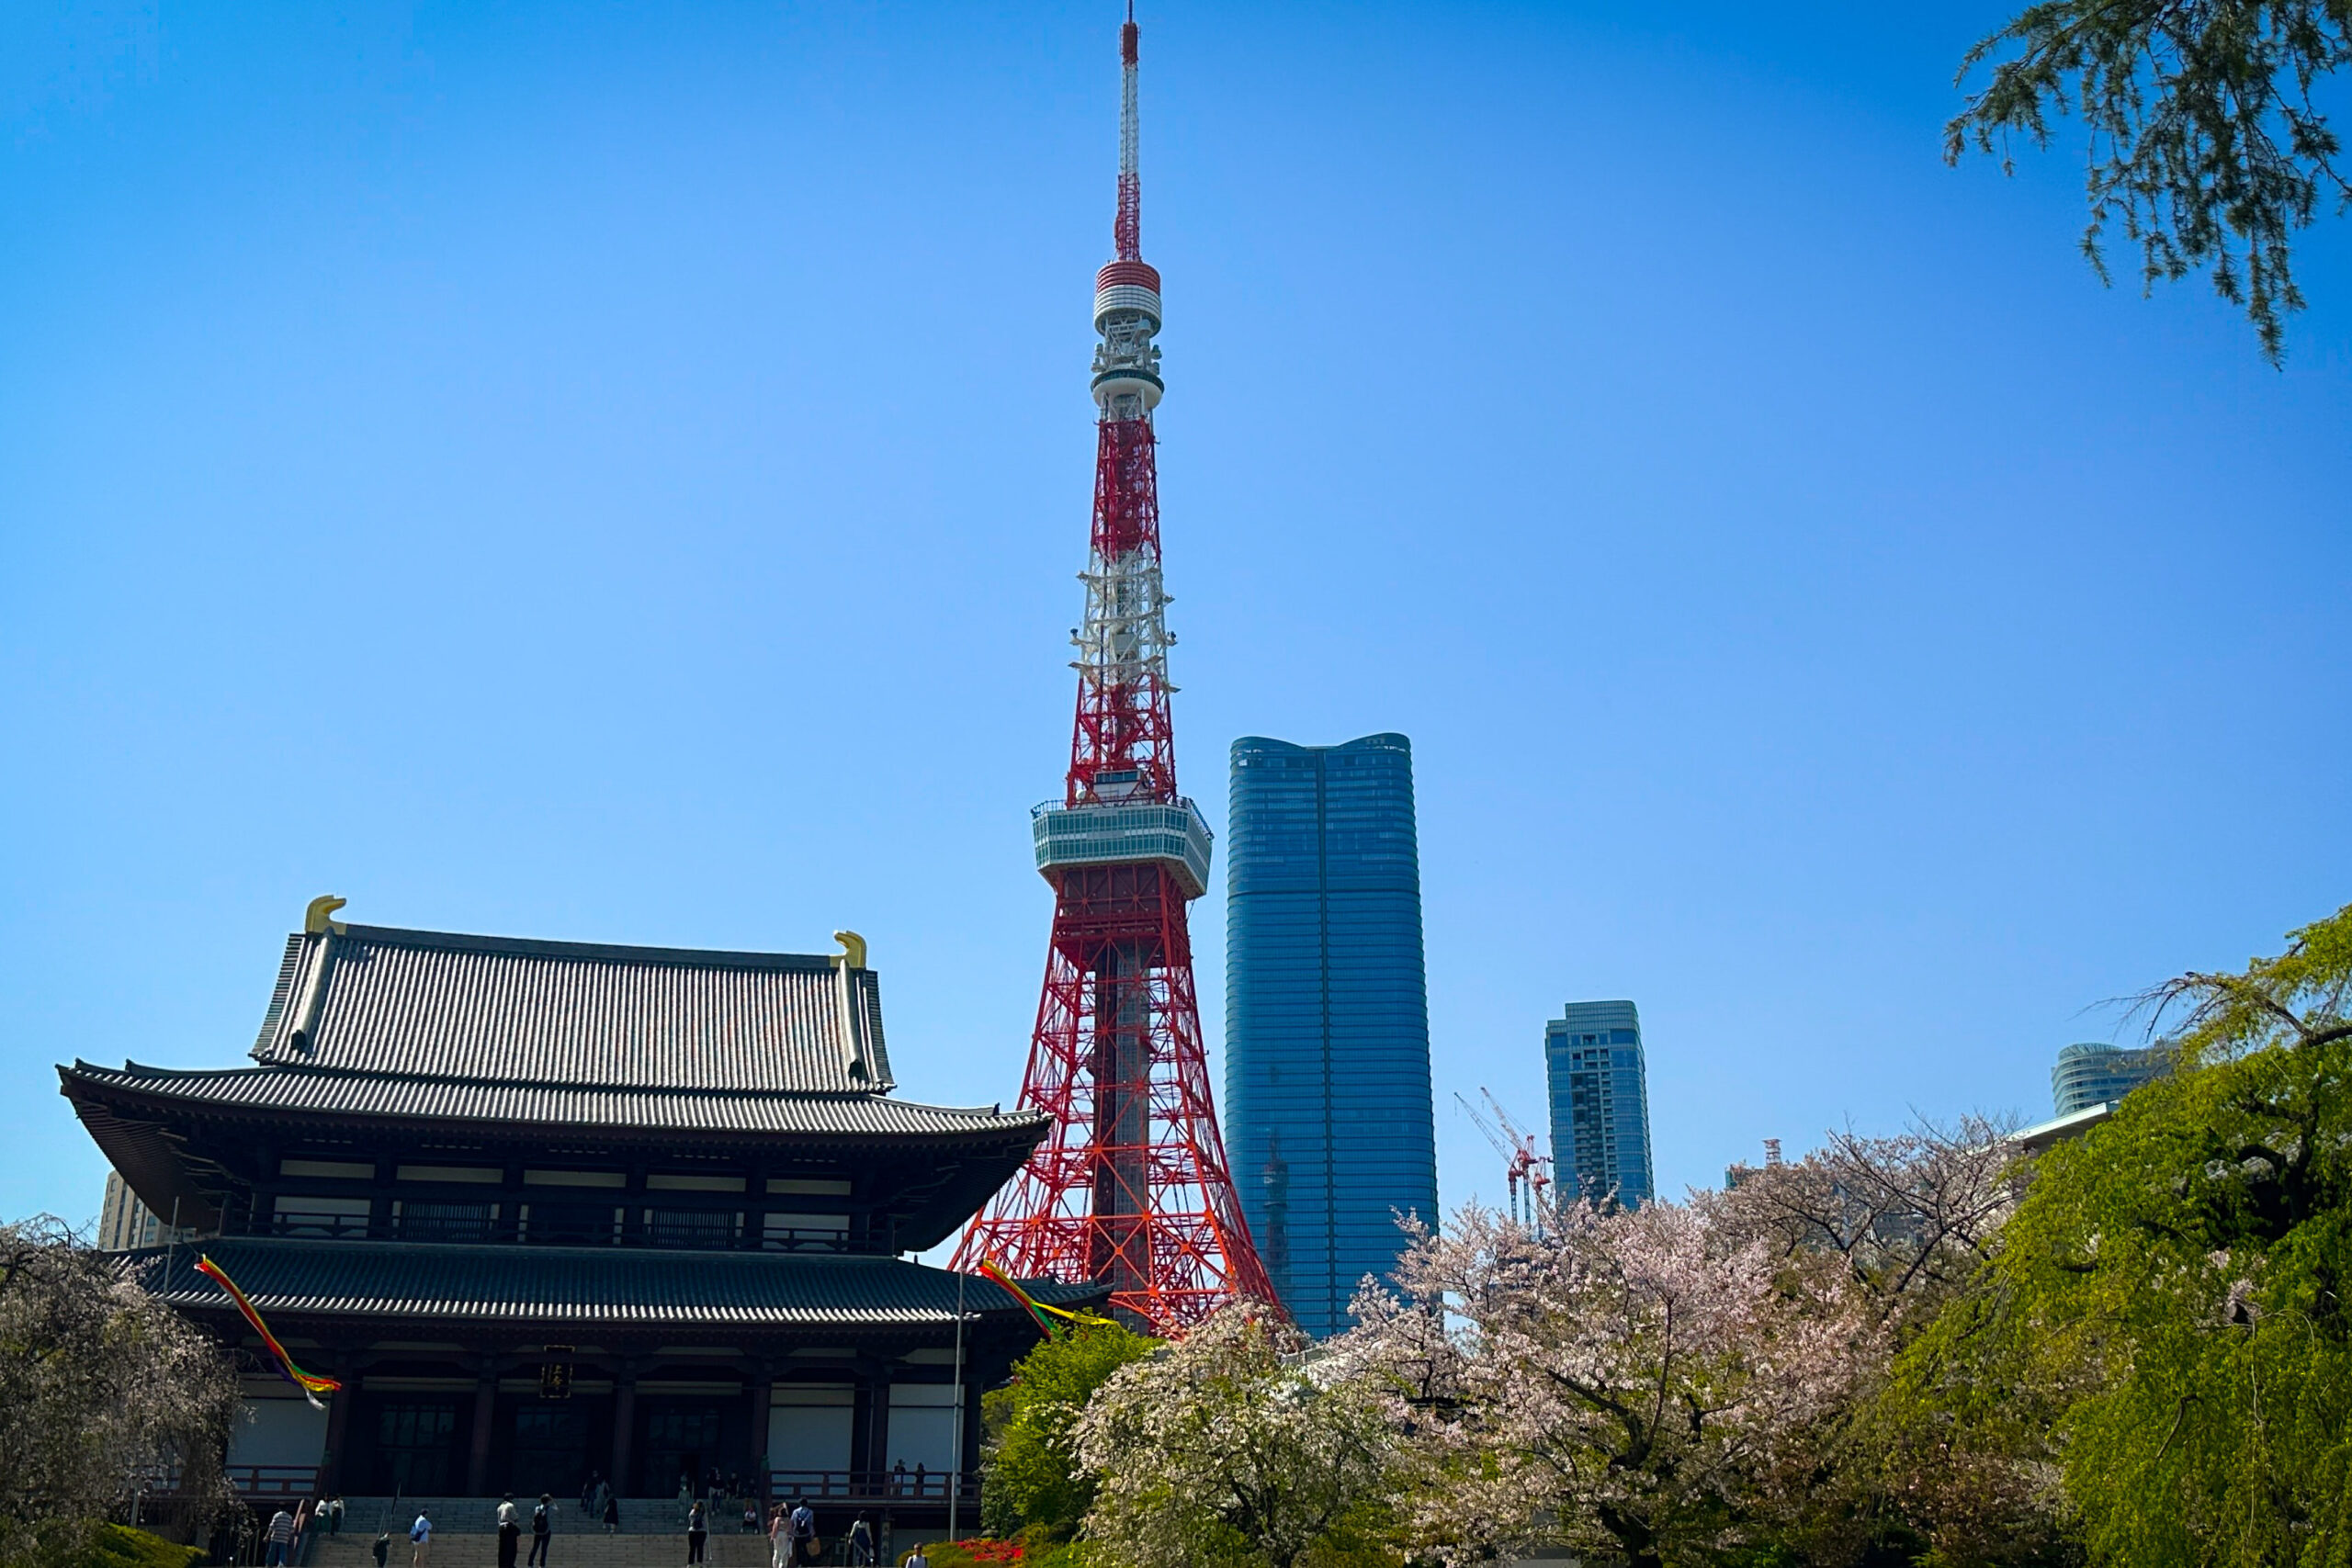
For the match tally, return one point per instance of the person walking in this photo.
(804, 1532)
(542, 1525)
(779, 1543)
(334, 1515)
(509, 1530)
(420, 1535)
(612, 1514)
(861, 1542)
(281, 1538)
(697, 1533)
(383, 1550)
(916, 1559)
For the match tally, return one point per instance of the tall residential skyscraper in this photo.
(1327, 1071)
(1600, 1104)
(2092, 1074)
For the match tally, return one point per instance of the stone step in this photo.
(475, 1515)
(451, 1549)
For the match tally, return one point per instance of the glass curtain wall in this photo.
(1328, 1124)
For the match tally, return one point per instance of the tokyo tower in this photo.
(1130, 1188)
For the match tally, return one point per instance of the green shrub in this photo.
(108, 1546)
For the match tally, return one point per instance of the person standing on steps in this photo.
(420, 1535)
(383, 1550)
(509, 1530)
(612, 1514)
(861, 1542)
(804, 1532)
(542, 1525)
(697, 1533)
(281, 1538)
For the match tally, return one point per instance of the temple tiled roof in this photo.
(329, 1092)
(580, 1286)
(375, 999)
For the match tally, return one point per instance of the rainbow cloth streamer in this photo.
(311, 1387)
(1038, 1309)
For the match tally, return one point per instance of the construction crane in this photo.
(1531, 1164)
(1519, 1162)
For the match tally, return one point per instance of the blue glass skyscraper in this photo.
(1600, 1104)
(1328, 1124)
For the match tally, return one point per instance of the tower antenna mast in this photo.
(1130, 1186)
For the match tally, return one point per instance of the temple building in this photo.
(553, 1211)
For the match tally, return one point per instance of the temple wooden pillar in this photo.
(485, 1411)
(338, 1425)
(623, 1423)
(763, 1385)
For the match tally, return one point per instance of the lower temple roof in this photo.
(581, 1287)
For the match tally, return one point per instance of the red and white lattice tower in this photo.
(1131, 1187)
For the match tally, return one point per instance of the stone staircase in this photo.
(573, 1549)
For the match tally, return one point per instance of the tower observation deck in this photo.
(1130, 1188)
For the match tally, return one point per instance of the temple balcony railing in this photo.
(274, 1480)
(877, 1487)
(713, 1232)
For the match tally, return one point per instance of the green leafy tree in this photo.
(2204, 140)
(1034, 1482)
(2164, 1321)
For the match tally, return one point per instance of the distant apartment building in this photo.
(125, 1224)
(2094, 1074)
(1327, 1118)
(1600, 1104)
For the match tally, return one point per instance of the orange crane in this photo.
(1531, 1164)
(1522, 1164)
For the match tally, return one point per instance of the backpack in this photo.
(539, 1519)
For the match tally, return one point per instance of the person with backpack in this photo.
(804, 1532)
(916, 1559)
(542, 1525)
(420, 1535)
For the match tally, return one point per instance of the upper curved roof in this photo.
(377, 999)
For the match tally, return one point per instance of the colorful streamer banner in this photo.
(1038, 1309)
(311, 1387)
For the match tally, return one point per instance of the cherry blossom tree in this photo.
(101, 1386)
(1915, 1216)
(1631, 1385)
(1237, 1445)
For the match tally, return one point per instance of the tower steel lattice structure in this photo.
(1131, 1186)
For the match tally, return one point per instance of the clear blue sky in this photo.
(616, 473)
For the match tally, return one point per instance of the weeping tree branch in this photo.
(2202, 139)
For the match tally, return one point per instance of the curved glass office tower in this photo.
(1329, 1124)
